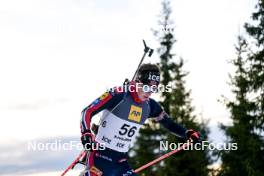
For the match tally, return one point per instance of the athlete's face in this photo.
(144, 92)
(143, 96)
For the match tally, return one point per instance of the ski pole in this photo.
(146, 50)
(81, 155)
(161, 158)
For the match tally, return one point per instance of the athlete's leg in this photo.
(101, 165)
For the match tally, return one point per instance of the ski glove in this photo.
(87, 140)
(193, 135)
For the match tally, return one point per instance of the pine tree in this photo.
(177, 103)
(256, 74)
(146, 148)
(247, 107)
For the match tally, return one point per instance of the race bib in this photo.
(116, 133)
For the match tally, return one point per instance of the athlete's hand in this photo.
(193, 135)
(87, 140)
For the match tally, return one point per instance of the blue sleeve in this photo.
(106, 101)
(163, 118)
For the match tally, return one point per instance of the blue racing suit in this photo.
(122, 116)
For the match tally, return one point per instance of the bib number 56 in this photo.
(127, 130)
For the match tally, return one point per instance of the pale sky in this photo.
(56, 56)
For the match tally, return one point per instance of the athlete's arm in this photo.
(163, 118)
(107, 101)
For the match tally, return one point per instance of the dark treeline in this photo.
(246, 109)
